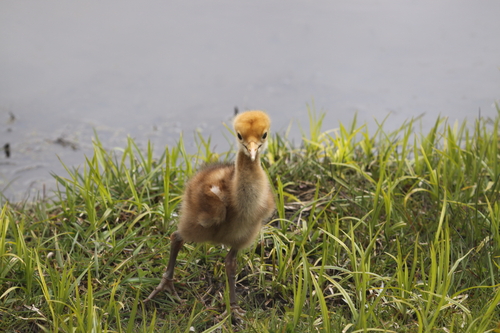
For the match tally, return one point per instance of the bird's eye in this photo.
(264, 136)
(240, 137)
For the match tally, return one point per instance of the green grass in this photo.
(374, 232)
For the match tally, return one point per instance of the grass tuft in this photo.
(382, 232)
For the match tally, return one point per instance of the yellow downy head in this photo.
(252, 129)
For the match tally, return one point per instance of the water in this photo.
(151, 70)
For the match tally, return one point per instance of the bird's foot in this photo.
(165, 284)
(236, 311)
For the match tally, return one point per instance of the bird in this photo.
(226, 203)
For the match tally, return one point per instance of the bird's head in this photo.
(252, 131)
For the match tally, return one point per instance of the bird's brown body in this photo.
(226, 203)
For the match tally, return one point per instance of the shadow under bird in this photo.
(226, 203)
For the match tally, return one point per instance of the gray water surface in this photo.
(153, 69)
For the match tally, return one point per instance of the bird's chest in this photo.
(245, 218)
(251, 199)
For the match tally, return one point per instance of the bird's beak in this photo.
(253, 148)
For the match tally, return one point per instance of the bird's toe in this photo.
(165, 284)
(236, 311)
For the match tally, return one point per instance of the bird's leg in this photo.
(231, 264)
(166, 281)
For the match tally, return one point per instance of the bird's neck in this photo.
(249, 178)
(245, 166)
(249, 184)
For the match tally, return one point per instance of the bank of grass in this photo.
(383, 231)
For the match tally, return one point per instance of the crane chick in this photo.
(226, 203)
